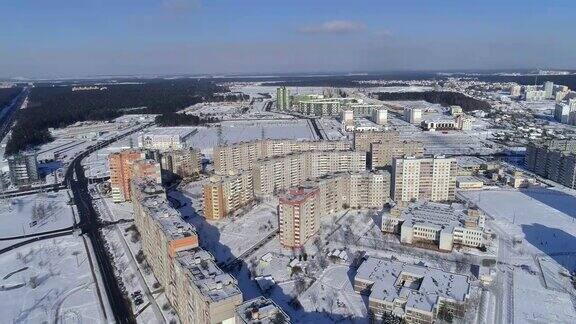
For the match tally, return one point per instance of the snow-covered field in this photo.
(544, 219)
(35, 213)
(230, 132)
(49, 281)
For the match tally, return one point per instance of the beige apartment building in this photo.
(120, 164)
(383, 153)
(363, 139)
(300, 208)
(280, 173)
(427, 178)
(199, 291)
(242, 156)
(147, 169)
(298, 216)
(225, 194)
(182, 163)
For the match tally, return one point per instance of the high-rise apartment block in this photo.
(242, 156)
(283, 99)
(280, 173)
(562, 113)
(362, 140)
(380, 116)
(198, 290)
(426, 178)
(554, 160)
(413, 115)
(147, 168)
(225, 194)
(549, 89)
(515, 90)
(298, 216)
(121, 170)
(181, 163)
(23, 168)
(301, 207)
(383, 153)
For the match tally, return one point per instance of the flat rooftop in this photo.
(420, 286)
(213, 283)
(265, 309)
(155, 202)
(434, 215)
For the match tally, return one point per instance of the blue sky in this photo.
(98, 37)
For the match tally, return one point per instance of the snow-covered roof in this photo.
(260, 310)
(419, 286)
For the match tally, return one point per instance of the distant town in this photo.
(354, 199)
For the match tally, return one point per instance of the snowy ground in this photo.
(35, 213)
(534, 271)
(230, 132)
(49, 281)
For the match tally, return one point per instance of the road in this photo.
(90, 225)
(505, 278)
(157, 312)
(8, 117)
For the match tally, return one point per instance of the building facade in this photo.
(554, 160)
(183, 163)
(225, 194)
(283, 99)
(242, 156)
(425, 178)
(23, 169)
(383, 153)
(121, 169)
(298, 216)
(198, 290)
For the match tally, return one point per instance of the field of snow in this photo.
(35, 213)
(545, 220)
(49, 281)
(230, 132)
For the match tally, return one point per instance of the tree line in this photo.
(444, 98)
(54, 106)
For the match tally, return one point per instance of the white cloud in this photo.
(333, 27)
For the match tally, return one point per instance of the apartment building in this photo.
(147, 168)
(436, 226)
(415, 293)
(225, 194)
(425, 178)
(280, 173)
(120, 164)
(300, 208)
(283, 98)
(554, 160)
(298, 216)
(23, 168)
(181, 163)
(199, 291)
(383, 153)
(413, 115)
(261, 310)
(363, 140)
(242, 156)
(380, 116)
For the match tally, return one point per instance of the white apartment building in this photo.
(242, 156)
(413, 115)
(380, 116)
(425, 178)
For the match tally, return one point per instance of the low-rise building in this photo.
(261, 310)
(415, 293)
(436, 226)
(469, 183)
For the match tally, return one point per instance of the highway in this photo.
(7, 117)
(90, 225)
